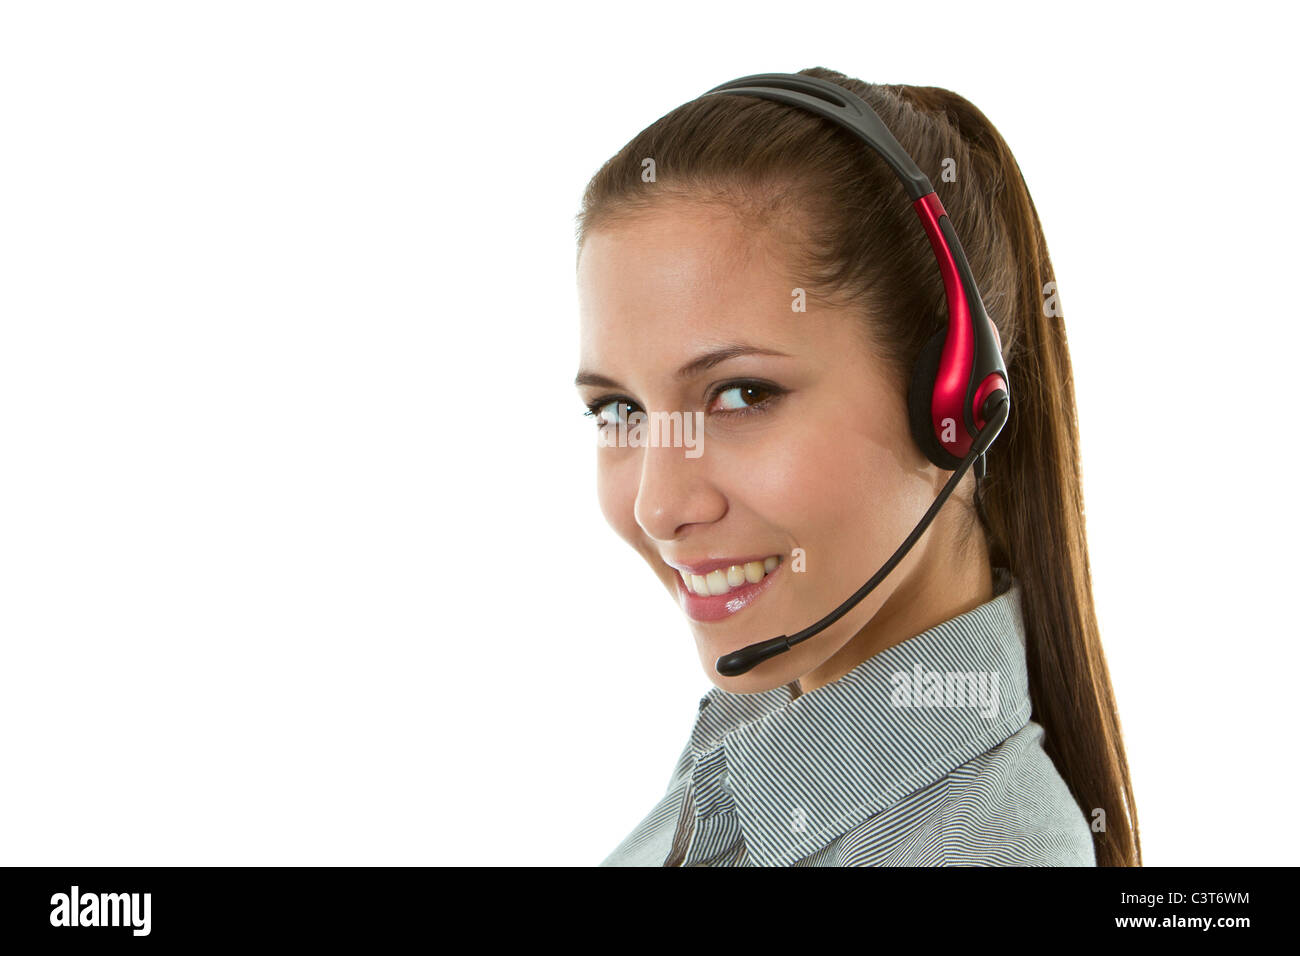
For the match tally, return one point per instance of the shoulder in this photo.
(1007, 807)
(651, 840)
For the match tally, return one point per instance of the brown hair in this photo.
(859, 242)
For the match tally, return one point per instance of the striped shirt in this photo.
(922, 755)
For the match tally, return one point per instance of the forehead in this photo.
(676, 269)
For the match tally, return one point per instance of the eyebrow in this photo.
(692, 368)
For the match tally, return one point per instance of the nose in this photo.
(675, 491)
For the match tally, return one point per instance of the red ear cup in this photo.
(920, 398)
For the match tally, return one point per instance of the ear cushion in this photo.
(920, 394)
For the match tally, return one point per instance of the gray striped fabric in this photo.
(923, 755)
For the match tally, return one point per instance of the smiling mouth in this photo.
(722, 581)
(727, 590)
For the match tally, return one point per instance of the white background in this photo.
(300, 558)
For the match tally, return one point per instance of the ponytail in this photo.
(1032, 507)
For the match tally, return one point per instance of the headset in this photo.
(959, 397)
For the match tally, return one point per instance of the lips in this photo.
(716, 589)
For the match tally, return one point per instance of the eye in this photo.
(728, 399)
(610, 411)
(744, 397)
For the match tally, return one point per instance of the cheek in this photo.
(826, 482)
(616, 491)
(838, 491)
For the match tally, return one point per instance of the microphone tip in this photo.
(747, 658)
(733, 665)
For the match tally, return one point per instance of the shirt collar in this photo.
(802, 771)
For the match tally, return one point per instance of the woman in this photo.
(750, 266)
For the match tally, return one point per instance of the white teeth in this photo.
(723, 580)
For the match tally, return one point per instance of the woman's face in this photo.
(805, 445)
